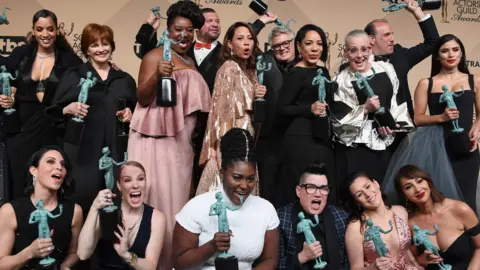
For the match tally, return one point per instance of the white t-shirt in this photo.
(248, 225)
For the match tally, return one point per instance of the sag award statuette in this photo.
(41, 216)
(260, 105)
(76, 125)
(372, 233)
(224, 261)
(10, 116)
(424, 4)
(421, 239)
(457, 141)
(156, 12)
(260, 7)
(305, 226)
(382, 115)
(321, 124)
(167, 86)
(109, 216)
(3, 17)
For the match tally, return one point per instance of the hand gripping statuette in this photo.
(305, 226)
(40, 216)
(106, 163)
(421, 239)
(447, 97)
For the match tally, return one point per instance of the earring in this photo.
(62, 191)
(34, 180)
(231, 52)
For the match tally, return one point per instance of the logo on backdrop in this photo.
(464, 11)
(332, 38)
(8, 43)
(473, 63)
(224, 2)
(136, 49)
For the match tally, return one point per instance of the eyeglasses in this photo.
(283, 45)
(311, 188)
(363, 50)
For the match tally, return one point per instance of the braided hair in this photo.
(186, 9)
(237, 145)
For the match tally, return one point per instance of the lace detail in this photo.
(402, 261)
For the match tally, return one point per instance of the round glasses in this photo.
(311, 189)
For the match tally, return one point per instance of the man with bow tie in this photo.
(403, 59)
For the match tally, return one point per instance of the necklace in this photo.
(40, 87)
(186, 61)
(133, 229)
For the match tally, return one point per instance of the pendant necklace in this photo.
(40, 86)
(186, 61)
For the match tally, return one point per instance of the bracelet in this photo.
(133, 259)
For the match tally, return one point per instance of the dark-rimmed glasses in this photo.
(311, 189)
(283, 45)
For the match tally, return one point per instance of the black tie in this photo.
(384, 58)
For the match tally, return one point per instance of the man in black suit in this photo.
(403, 59)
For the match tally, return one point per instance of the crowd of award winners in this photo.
(266, 155)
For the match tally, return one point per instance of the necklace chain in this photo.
(186, 61)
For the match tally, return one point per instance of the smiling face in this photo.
(99, 51)
(383, 41)
(283, 47)
(239, 179)
(242, 43)
(310, 48)
(211, 29)
(450, 54)
(50, 172)
(45, 32)
(357, 52)
(313, 193)
(416, 190)
(366, 193)
(132, 185)
(181, 25)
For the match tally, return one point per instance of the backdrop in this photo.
(336, 17)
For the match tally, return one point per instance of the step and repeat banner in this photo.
(336, 17)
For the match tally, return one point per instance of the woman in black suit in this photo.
(299, 101)
(40, 65)
(101, 114)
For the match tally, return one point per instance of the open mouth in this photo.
(183, 44)
(371, 199)
(57, 177)
(136, 196)
(246, 51)
(241, 195)
(316, 204)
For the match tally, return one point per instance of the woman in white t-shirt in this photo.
(254, 232)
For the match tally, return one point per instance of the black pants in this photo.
(269, 160)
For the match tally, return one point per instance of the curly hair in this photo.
(186, 9)
(68, 185)
(237, 145)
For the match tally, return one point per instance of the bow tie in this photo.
(384, 58)
(199, 45)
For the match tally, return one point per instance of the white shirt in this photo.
(248, 225)
(203, 52)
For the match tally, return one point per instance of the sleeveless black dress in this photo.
(465, 166)
(108, 257)
(27, 233)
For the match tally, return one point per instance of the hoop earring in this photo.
(34, 180)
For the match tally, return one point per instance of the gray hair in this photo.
(279, 30)
(355, 33)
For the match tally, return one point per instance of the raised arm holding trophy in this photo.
(424, 4)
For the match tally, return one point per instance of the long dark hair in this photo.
(226, 53)
(436, 66)
(301, 36)
(61, 42)
(68, 185)
(350, 204)
(414, 172)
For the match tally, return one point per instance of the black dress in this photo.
(101, 125)
(465, 166)
(27, 233)
(300, 147)
(109, 259)
(37, 130)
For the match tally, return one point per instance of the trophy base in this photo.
(443, 266)
(320, 265)
(166, 92)
(321, 128)
(47, 264)
(259, 110)
(109, 219)
(385, 119)
(258, 7)
(122, 143)
(458, 143)
(74, 131)
(11, 121)
(227, 263)
(431, 4)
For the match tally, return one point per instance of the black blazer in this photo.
(209, 65)
(146, 38)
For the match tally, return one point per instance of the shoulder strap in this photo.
(430, 85)
(471, 82)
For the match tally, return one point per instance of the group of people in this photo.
(327, 149)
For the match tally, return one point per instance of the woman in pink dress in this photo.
(160, 137)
